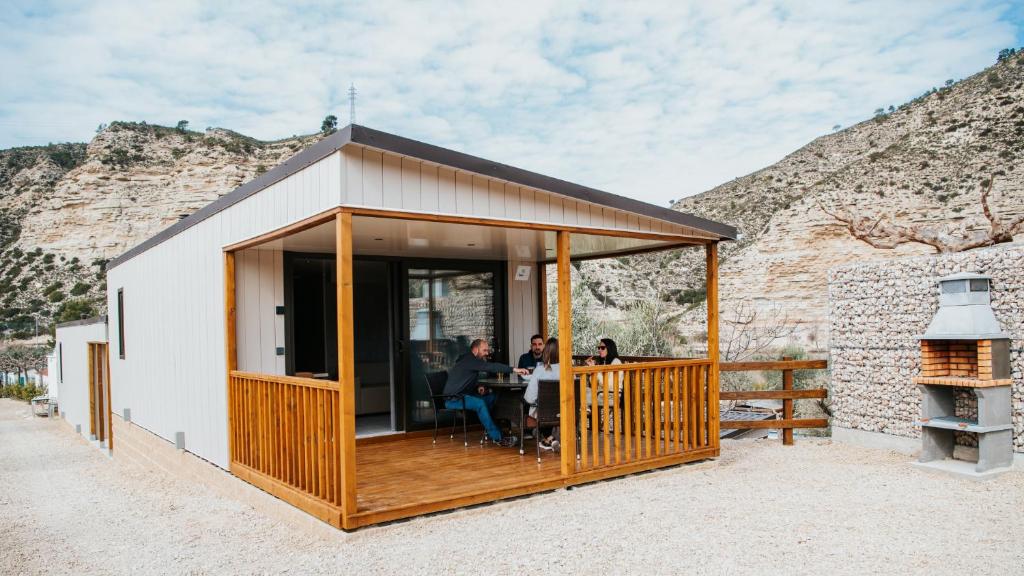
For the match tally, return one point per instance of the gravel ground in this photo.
(818, 507)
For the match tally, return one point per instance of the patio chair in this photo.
(548, 411)
(435, 382)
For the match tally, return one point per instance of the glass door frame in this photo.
(398, 273)
(402, 342)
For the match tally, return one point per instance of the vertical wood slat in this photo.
(584, 460)
(674, 403)
(605, 401)
(616, 422)
(637, 415)
(684, 407)
(595, 421)
(649, 409)
(627, 426)
(701, 408)
(664, 405)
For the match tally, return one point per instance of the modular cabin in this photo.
(285, 331)
(80, 377)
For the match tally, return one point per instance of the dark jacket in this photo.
(528, 360)
(463, 375)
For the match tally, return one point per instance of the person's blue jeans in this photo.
(482, 406)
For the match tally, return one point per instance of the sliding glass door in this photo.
(447, 308)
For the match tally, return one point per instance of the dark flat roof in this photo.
(356, 134)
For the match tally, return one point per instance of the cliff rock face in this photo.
(923, 164)
(66, 209)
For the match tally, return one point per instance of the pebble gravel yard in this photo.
(762, 508)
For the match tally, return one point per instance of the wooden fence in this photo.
(634, 412)
(283, 428)
(787, 395)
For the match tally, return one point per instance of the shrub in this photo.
(56, 296)
(79, 289)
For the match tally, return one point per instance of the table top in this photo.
(509, 381)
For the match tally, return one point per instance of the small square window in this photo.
(979, 285)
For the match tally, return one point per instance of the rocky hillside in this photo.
(920, 165)
(66, 209)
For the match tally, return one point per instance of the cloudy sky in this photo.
(655, 100)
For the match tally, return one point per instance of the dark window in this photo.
(979, 285)
(60, 362)
(120, 323)
(957, 287)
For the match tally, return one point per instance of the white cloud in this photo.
(654, 100)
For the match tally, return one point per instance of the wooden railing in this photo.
(787, 395)
(283, 428)
(633, 412)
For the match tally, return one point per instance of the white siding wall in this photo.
(523, 310)
(72, 344)
(259, 285)
(378, 179)
(173, 375)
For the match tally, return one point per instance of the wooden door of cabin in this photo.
(99, 393)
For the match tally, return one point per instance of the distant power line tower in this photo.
(352, 103)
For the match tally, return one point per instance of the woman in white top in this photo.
(547, 369)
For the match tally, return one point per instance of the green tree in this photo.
(75, 309)
(182, 126)
(329, 125)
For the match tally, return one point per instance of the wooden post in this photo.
(566, 389)
(346, 412)
(230, 345)
(109, 412)
(787, 405)
(542, 279)
(712, 301)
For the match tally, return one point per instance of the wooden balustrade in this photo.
(633, 412)
(787, 395)
(284, 428)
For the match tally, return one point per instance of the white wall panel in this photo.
(173, 376)
(73, 379)
(523, 312)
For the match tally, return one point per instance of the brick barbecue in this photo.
(964, 347)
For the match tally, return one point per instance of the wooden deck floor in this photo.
(410, 476)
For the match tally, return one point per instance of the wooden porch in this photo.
(295, 437)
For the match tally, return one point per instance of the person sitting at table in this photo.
(547, 369)
(531, 358)
(462, 379)
(607, 354)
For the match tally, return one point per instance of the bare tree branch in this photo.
(878, 233)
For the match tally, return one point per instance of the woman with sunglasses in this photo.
(607, 354)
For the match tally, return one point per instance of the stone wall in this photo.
(875, 311)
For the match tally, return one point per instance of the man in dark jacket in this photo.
(530, 359)
(462, 379)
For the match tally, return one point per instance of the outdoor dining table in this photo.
(509, 391)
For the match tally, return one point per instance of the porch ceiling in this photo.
(374, 236)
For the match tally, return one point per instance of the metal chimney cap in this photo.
(965, 276)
